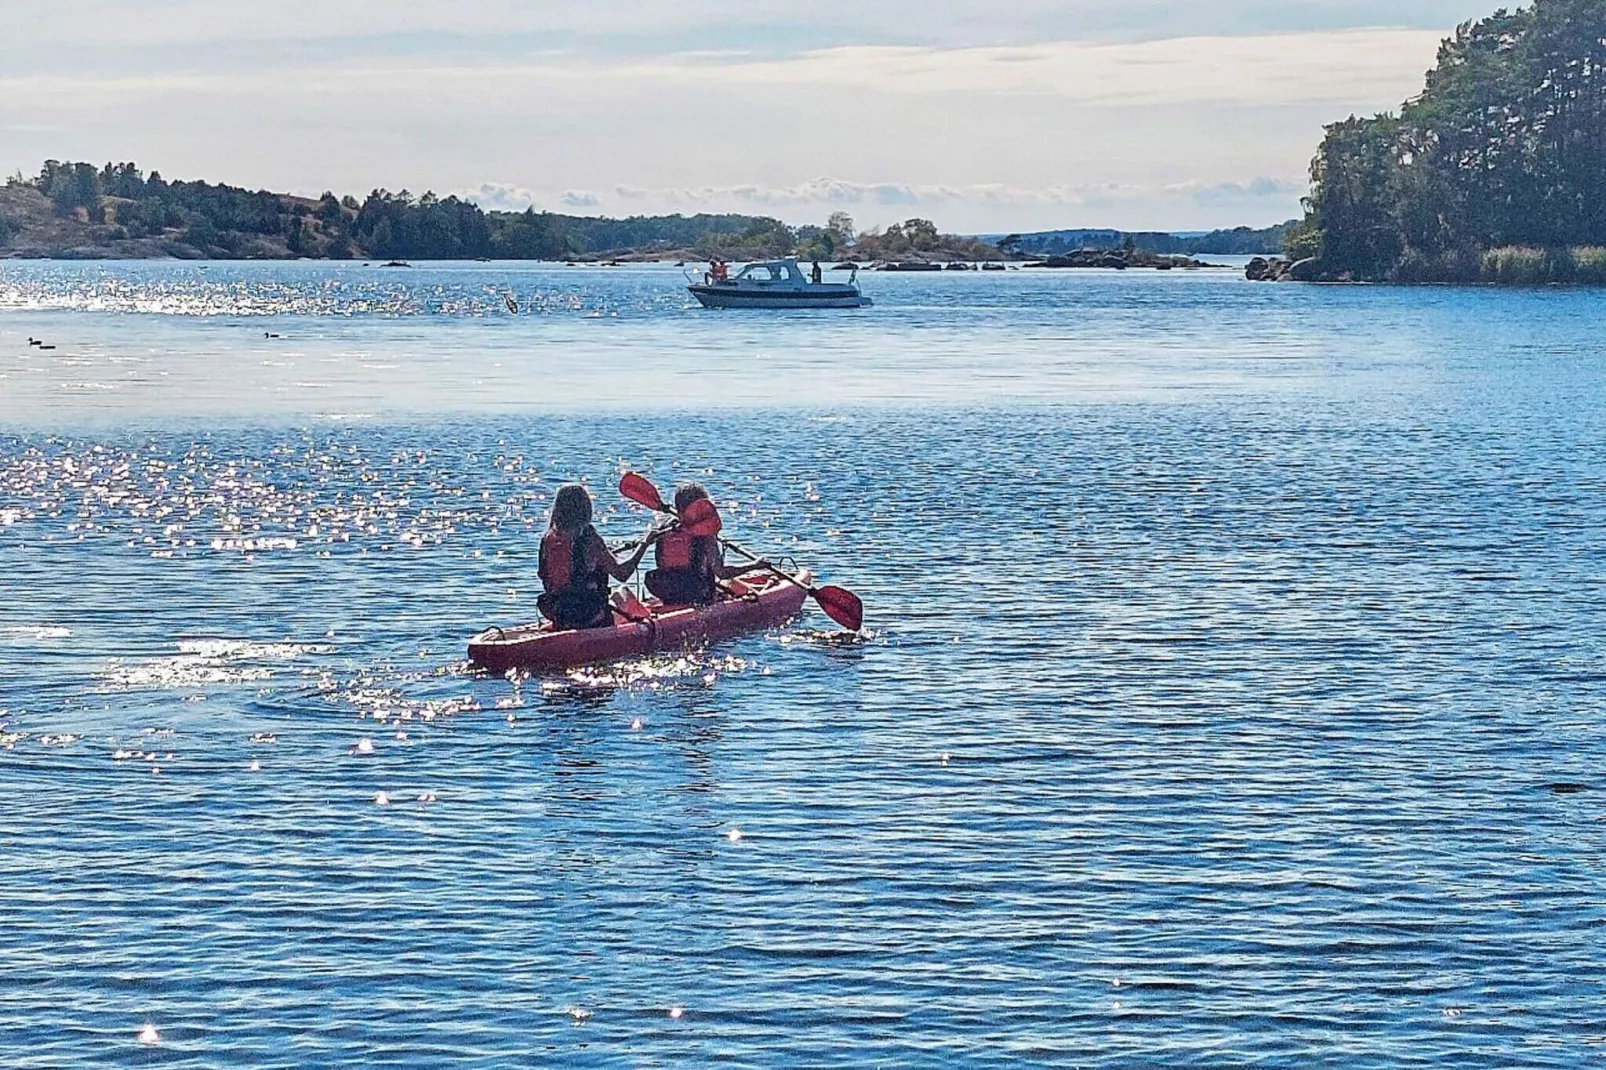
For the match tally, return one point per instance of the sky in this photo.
(982, 115)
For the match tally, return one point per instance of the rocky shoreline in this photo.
(1119, 260)
(1279, 269)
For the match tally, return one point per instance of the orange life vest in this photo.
(685, 572)
(675, 550)
(680, 549)
(562, 562)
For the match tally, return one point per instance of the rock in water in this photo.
(1306, 270)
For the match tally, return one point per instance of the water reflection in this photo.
(1192, 723)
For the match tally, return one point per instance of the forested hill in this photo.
(1244, 241)
(1497, 172)
(80, 210)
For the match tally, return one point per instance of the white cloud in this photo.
(1351, 65)
(1157, 133)
(1325, 66)
(707, 27)
(1259, 199)
(1255, 188)
(499, 197)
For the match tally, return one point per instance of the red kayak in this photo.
(755, 602)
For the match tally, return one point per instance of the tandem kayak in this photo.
(753, 604)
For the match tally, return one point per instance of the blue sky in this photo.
(985, 116)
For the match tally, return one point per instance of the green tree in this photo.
(72, 186)
(840, 226)
(1505, 146)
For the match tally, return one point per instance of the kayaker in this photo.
(575, 564)
(689, 567)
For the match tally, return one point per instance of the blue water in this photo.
(1231, 693)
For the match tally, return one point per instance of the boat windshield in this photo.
(769, 273)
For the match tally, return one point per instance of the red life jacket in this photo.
(675, 550)
(681, 550)
(562, 562)
(685, 573)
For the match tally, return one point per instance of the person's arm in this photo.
(730, 572)
(623, 570)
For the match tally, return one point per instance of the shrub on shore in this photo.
(1522, 265)
(1589, 263)
(1505, 265)
(1513, 265)
(1449, 266)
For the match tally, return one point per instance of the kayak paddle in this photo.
(701, 517)
(839, 603)
(640, 490)
(702, 523)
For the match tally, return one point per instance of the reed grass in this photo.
(1513, 265)
(1526, 265)
(1590, 264)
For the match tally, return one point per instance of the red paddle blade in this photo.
(640, 490)
(841, 605)
(701, 518)
(707, 528)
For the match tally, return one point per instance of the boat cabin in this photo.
(773, 271)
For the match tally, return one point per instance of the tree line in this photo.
(1238, 241)
(119, 202)
(1497, 171)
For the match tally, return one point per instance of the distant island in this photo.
(81, 211)
(78, 210)
(1496, 173)
(1239, 241)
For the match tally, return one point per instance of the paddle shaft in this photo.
(765, 564)
(840, 604)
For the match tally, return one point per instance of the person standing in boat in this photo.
(689, 567)
(575, 564)
(814, 276)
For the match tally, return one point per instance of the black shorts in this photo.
(576, 609)
(680, 587)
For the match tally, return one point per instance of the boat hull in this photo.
(733, 297)
(765, 603)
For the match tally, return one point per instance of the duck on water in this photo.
(775, 284)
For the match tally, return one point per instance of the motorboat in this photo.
(776, 284)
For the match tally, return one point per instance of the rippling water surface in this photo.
(1231, 692)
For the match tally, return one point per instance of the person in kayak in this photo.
(689, 567)
(575, 564)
